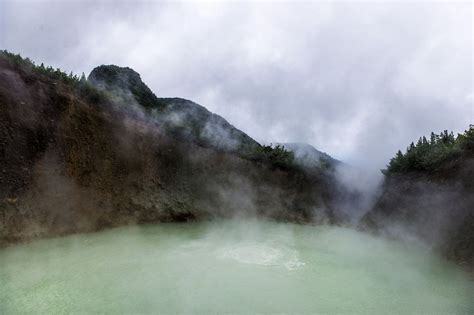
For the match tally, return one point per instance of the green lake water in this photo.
(229, 267)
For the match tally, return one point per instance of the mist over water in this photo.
(244, 266)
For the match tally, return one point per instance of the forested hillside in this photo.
(428, 195)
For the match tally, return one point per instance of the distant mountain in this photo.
(308, 156)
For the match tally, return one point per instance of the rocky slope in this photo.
(85, 155)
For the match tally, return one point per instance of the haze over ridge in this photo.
(355, 81)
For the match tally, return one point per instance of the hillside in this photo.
(428, 195)
(86, 154)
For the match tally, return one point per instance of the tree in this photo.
(425, 142)
(430, 155)
(419, 144)
(433, 138)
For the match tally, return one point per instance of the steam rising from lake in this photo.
(229, 267)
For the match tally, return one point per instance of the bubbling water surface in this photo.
(244, 266)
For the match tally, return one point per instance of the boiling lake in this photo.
(237, 266)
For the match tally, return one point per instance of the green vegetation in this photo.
(276, 156)
(49, 71)
(84, 88)
(428, 155)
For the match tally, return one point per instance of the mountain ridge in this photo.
(181, 118)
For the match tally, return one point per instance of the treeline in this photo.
(428, 155)
(80, 83)
(56, 74)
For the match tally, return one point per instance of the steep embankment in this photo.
(87, 155)
(434, 206)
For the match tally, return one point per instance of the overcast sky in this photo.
(358, 81)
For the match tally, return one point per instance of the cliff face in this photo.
(75, 159)
(436, 207)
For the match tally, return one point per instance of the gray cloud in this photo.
(358, 81)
